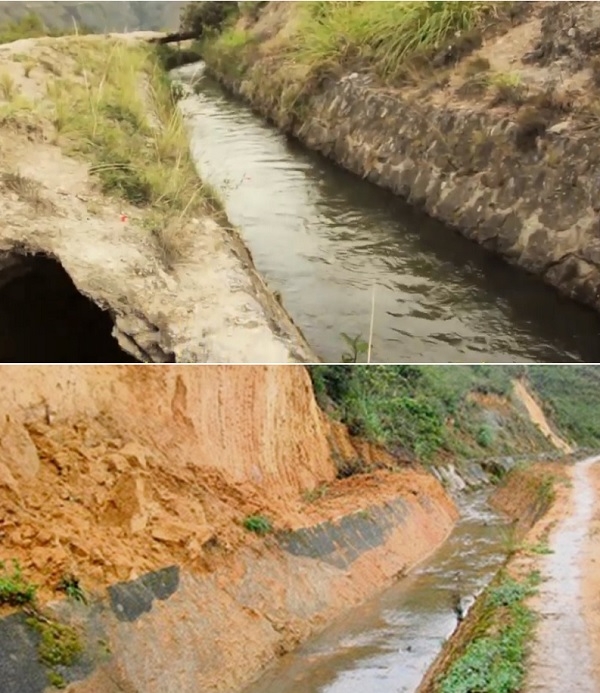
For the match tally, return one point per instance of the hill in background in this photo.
(465, 411)
(97, 16)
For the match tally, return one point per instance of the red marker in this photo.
(123, 217)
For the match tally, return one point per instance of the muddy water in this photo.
(324, 238)
(387, 645)
(562, 660)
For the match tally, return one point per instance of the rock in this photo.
(559, 128)
(126, 505)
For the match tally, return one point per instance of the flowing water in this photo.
(388, 644)
(324, 238)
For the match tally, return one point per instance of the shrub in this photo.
(198, 17)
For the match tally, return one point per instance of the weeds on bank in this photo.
(494, 662)
(8, 89)
(142, 158)
(71, 586)
(384, 33)
(59, 644)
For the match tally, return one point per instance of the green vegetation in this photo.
(386, 35)
(31, 19)
(29, 25)
(258, 524)
(70, 585)
(14, 589)
(571, 397)
(426, 410)
(60, 645)
(494, 661)
(121, 116)
(398, 41)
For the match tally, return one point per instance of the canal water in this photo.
(388, 644)
(332, 243)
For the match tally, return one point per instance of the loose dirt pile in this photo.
(111, 473)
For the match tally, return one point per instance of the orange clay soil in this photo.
(162, 465)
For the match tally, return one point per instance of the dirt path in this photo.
(565, 653)
(538, 417)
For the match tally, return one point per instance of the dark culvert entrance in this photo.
(44, 318)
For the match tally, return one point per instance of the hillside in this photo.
(462, 411)
(97, 16)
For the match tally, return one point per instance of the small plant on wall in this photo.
(258, 524)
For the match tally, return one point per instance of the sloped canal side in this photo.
(388, 644)
(324, 238)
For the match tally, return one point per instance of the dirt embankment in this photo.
(114, 473)
(500, 146)
(208, 306)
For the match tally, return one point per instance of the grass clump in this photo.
(8, 89)
(258, 524)
(71, 586)
(122, 116)
(15, 590)
(494, 661)
(386, 34)
(27, 189)
(507, 88)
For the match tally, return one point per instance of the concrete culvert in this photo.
(44, 318)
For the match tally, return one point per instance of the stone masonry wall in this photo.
(532, 199)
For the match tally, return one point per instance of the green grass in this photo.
(15, 590)
(121, 116)
(71, 586)
(385, 34)
(427, 409)
(494, 661)
(60, 644)
(571, 397)
(258, 524)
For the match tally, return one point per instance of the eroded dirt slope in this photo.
(110, 472)
(538, 417)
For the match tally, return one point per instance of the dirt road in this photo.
(566, 652)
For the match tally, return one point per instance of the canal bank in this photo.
(103, 213)
(513, 168)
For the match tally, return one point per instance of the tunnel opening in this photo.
(45, 319)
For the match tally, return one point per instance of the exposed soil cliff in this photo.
(114, 473)
(499, 144)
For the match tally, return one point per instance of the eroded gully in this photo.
(387, 644)
(324, 238)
